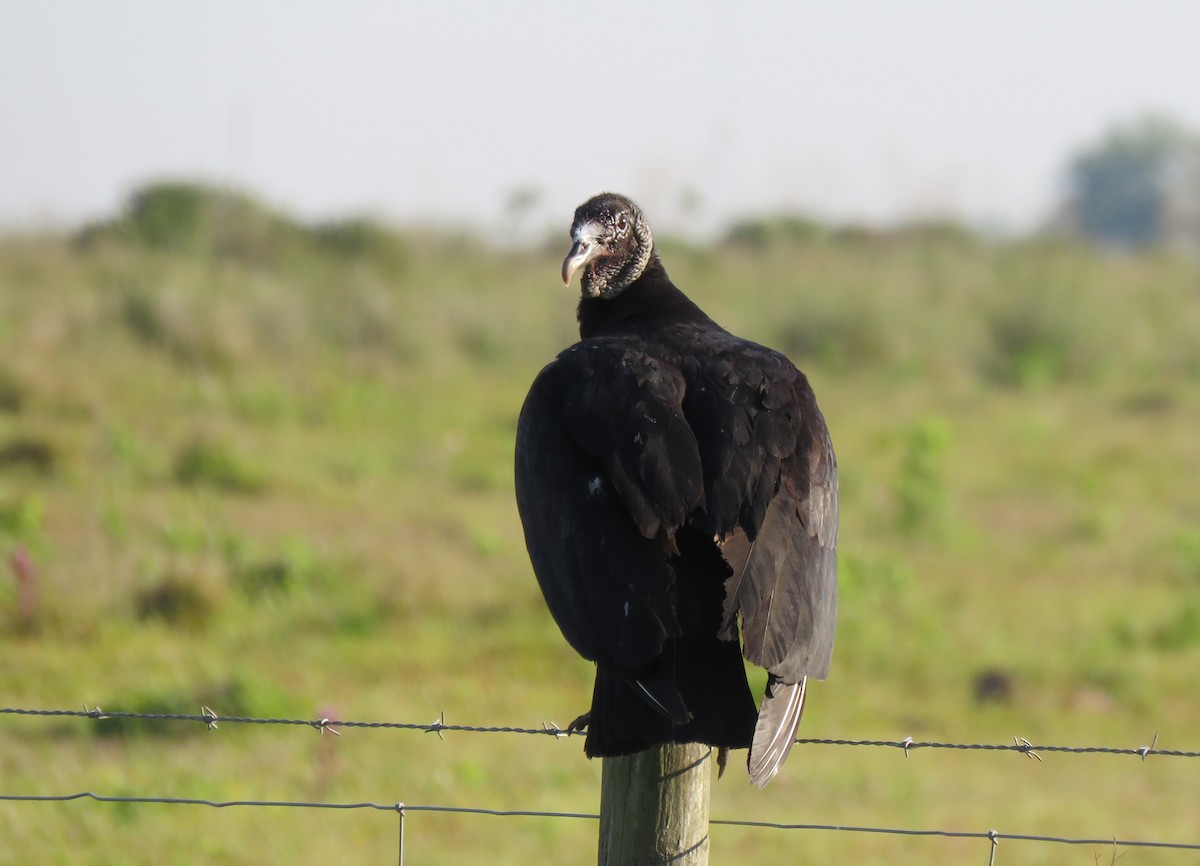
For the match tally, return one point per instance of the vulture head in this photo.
(610, 242)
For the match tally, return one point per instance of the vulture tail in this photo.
(775, 733)
(696, 694)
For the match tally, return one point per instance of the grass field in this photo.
(266, 468)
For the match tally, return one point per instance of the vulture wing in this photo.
(602, 438)
(771, 493)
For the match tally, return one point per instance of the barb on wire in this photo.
(1026, 748)
(438, 725)
(210, 718)
(323, 725)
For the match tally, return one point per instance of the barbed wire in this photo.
(404, 808)
(212, 719)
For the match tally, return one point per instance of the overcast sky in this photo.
(849, 109)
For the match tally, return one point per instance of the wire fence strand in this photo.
(211, 720)
(405, 808)
(439, 726)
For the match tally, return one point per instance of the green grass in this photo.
(273, 477)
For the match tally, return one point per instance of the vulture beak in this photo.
(585, 248)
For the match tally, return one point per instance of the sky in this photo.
(849, 110)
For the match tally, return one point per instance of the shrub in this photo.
(12, 393)
(920, 490)
(21, 517)
(33, 455)
(360, 238)
(213, 464)
(177, 599)
(762, 232)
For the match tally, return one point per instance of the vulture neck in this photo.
(649, 302)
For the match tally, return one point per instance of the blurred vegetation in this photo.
(265, 467)
(1139, 186)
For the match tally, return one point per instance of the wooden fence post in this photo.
(654, 807)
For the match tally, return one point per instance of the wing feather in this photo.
(626, 409)
(607, 469)
(775, 733)
(770, 476)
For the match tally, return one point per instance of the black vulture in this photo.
(676, 482)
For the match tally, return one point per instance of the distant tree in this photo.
(1139, 186)
(200, 218)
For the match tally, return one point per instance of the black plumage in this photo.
(676, 482)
